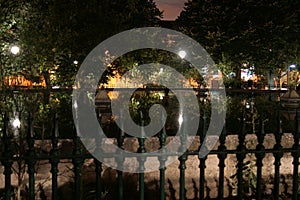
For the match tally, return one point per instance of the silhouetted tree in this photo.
(264, 33)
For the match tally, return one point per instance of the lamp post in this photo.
(290, 104)
(16, 123)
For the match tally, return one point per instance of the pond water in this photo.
(250, 105)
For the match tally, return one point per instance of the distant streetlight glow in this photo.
(161, 96)
(75, 62)
(293, 66)
(55, 87)
(182, 54)
(161, 70)
(16, 123)
(15, 49)
(247, 105)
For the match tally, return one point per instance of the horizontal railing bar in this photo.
(153, 154)
(69, 90)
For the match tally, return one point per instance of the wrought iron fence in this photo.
(21, 156)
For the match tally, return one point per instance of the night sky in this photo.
(171, 8)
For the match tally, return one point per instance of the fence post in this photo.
(278, 154)
(162, 143)
(222, 156)
(77, 162)
(182, 160)
(98, 170)
(295, 154)
(8, 155)
(31, 159)
(142, 167)
(260, 155)
(162, 160)
(54, 160)
(202, 165)
(241, 154)
(98, 164)
(120, 161)
(142, 160)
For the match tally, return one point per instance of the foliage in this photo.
(65, 116)
(263, 34)
(140, 105)
(12, 13)
(253, 107)
(53, 34)
(249, 178)
(155, 57)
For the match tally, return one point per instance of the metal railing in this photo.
(23, 153)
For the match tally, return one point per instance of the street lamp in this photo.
(182, 54)
(15, 49)
(293, 66)
(16, 122)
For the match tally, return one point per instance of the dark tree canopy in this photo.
(261, 33)
(54, 33)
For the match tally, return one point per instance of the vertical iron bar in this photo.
(98, 170)
(31, 159)
(98, 166)
(142, 186)
(162, 160)
(142, 167)
(77, 162)
(182, 168)
(162, 183)
(240, 158)
(222, 156)
(259, 157)
(120, 161)
(142, 160)
(120, 185)
(141, 175)
(7, 155)
(162, 180)
(54, 160)
(182, 160)
(295, 154)
(162, 142)
(202, 165)
(278, 155)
